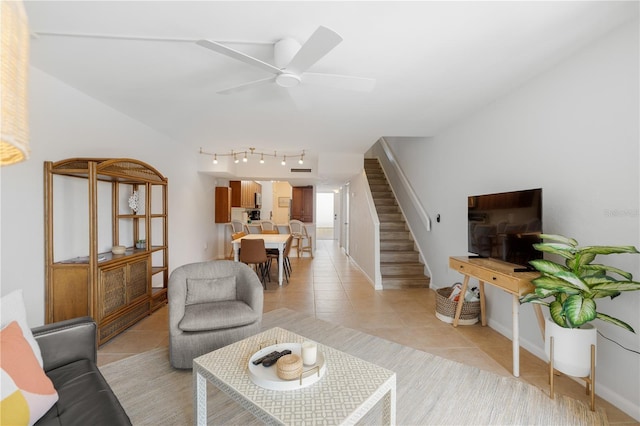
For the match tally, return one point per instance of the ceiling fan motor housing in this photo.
(283, 52)
(287, 80)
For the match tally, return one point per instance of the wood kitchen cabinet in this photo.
(223, 204)
(243, 193)
(302, 203)
(116, 290)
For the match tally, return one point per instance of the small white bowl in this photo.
(118, 249)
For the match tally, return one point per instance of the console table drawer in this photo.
(515, 283)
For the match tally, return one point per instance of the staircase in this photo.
(400, 264)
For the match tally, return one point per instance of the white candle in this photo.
(309, 353)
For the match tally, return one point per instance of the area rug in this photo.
(430, 390)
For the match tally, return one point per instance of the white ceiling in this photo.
(434, 62)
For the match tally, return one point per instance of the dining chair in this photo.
(273, 254)
(237, 226)
(235, 236)
(301, 237)
(269, 225)
(253, 252)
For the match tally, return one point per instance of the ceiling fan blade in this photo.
(321, 42)
(345, 82)
(246, 86)
(242, 57)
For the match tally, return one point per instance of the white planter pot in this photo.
(571, 347)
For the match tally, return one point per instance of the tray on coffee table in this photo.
(267, 377)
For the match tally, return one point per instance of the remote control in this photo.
(259, 360)
(269, 361)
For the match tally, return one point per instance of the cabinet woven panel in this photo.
(138, 276)
(113, 285)
(123, 321)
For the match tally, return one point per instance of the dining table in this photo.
(273, 241)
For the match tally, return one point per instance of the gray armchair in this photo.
(211, 305)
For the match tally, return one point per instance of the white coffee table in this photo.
(350, 388)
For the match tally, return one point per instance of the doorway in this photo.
(325, 216)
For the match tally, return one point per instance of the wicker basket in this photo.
(446, 309)
(289, 367)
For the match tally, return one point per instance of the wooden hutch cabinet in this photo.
(116, 290)
(302, 203)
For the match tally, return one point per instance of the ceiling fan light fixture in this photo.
(287, 80)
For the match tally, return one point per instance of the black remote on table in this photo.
(259, 360)
(269, 361)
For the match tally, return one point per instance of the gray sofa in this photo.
(69, 352)
(211, 304)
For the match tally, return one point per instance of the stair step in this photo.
(379, 187)
(399, 282)
(410, 256)
(395, 235)
(397, 268)
(388, 201)
(384, 209)
(381, 194)
(399, 245)
(393, 227)
(390, 217)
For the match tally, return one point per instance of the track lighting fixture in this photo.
(247, 154)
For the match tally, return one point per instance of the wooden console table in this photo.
(504, 276)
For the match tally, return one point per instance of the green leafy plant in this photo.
(576, 284)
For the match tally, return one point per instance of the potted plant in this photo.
(574, 287)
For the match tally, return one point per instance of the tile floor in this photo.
(330, 287)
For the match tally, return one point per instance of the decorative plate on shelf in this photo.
(267, 377)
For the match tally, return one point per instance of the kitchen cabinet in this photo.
(223, 204)
(302, 203)
(243, 193)
(116, 290)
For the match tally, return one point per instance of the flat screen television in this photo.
(506, 225)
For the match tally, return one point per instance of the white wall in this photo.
(574, 132)
(66, 123)
(364, 230)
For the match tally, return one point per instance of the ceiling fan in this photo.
(291, 62)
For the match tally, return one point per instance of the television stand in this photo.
(504, 276)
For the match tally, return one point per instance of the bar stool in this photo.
(303, 241)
